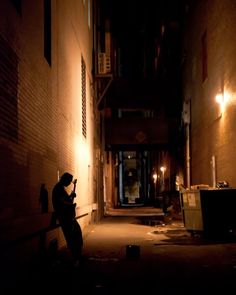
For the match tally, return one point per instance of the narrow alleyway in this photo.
(126, 255)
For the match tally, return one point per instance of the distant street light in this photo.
(163, 169)
(154, 177)
(155, 183)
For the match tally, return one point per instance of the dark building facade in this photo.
(140, 99)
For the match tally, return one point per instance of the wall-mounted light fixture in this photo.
(222, 99)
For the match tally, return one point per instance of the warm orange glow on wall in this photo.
(222, 99)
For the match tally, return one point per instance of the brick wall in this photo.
(40, 115)
(211, 134)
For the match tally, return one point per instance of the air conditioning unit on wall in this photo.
(104, 63)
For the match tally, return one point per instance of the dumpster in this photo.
(210, 211)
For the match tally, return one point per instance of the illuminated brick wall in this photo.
(41, 111)
(211, 25)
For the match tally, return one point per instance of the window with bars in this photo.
(83, 89)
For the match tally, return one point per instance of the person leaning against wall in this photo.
(64, 208)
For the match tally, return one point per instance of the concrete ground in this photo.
(140, 255)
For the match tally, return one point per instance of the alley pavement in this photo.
(139, 255)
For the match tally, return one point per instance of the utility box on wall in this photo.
(209, 211)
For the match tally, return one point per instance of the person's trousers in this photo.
(74, 238)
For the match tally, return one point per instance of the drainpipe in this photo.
(186, 116)
(213, 162)
(188, 156)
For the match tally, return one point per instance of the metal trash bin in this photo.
(209, 211)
